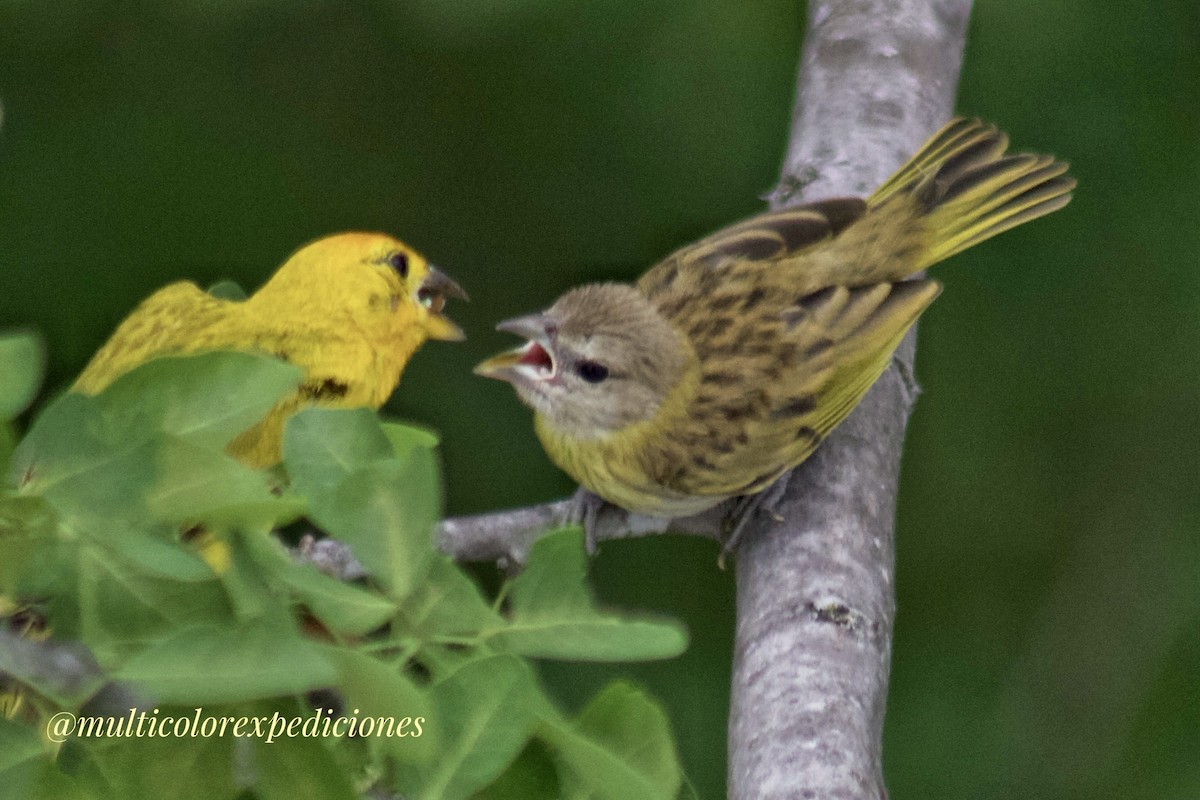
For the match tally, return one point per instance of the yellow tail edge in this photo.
(968, 190)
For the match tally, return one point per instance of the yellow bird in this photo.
(349, 310)
(727, 363)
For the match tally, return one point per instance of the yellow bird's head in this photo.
(369, 281)
(600, 359)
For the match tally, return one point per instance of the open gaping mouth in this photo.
(537, 357)
(532, 364)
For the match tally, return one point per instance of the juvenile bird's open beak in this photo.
(532, 361)
(435, 288)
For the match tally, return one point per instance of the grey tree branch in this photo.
(66, 670)
(509, 534)
(815, 597)
(815, 593)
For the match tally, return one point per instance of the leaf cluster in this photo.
(126, 528)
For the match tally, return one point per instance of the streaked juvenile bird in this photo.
(349, 310)
(728, 362)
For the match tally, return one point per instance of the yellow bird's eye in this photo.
(399, 262)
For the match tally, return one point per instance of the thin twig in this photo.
(508, 535)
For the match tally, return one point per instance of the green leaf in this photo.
(486, 710)
(264, 565)
(27, 767)
(448, 603)
(385, 513)
(405, 437)
(620, 748)
(250, 580)
(374, 689)
(597, 637)
(96, 457)
(360, 493)
(18, 745)
(22, 363)
(27, 537)
(532, 776)
(324, 446)
(8, 443)
(207, 399)
(194, 484)
(134, 588)
(160, 766)
(212, 664)
(553, 614)
(68, 459)
(633, 727)
(297, 767)
(342, 608)
(155, 558)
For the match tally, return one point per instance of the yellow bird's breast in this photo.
(341, 370)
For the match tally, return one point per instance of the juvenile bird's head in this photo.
(600, 359)
(370, 281)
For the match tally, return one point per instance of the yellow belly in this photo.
(613, 468)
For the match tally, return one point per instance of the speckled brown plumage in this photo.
(729, 361)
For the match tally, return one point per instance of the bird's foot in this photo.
(585, 511)
(743, 511)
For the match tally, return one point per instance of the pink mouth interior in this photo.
(535, 355)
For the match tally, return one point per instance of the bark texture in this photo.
(815, 594)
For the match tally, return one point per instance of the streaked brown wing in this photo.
(763, 408)
(748, 244)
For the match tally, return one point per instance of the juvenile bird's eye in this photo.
(591, 371)
(399, 262)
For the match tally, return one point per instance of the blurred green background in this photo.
(1048, 641)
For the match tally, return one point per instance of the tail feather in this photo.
(969, 191)
(957, 136)
(1030, 204)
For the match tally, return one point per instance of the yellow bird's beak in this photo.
(532, 361)
(432, 294)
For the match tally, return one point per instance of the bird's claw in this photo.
(744, 509)
(585, 511)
